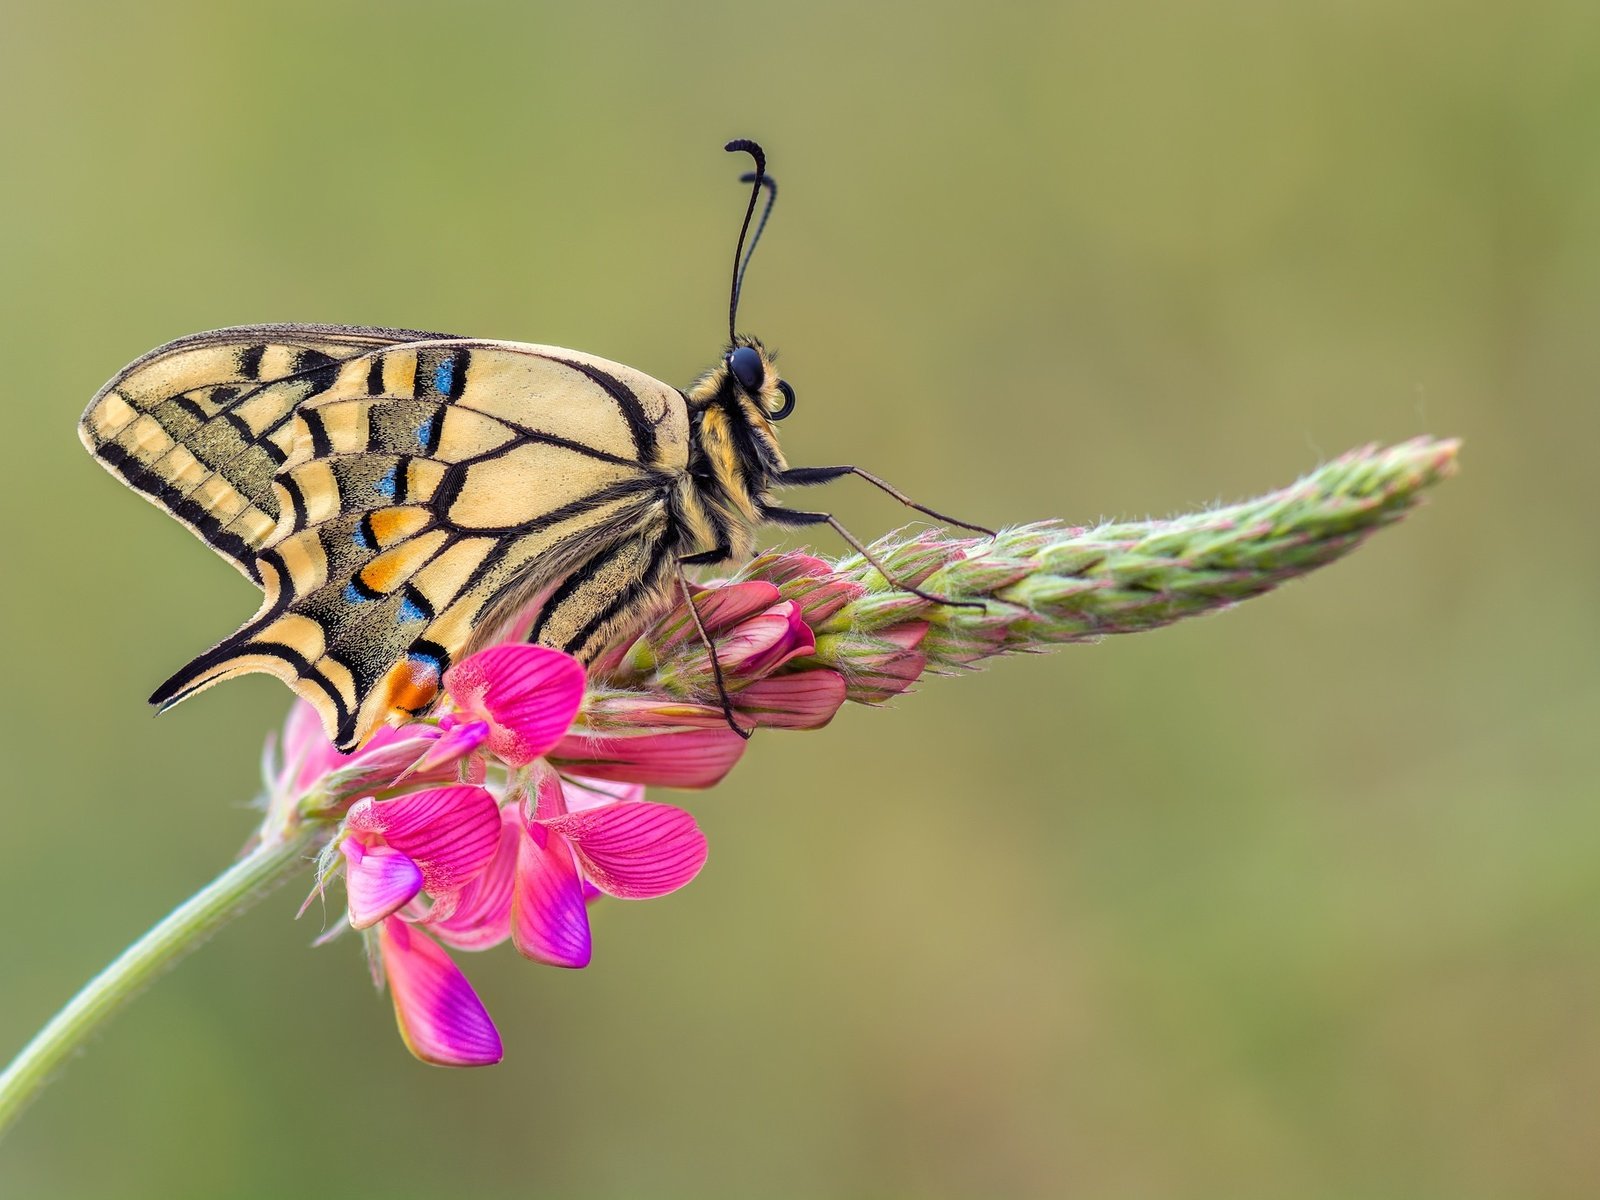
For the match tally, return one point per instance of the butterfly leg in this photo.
(707, 558)
(798, 518)
(711, 649)
(810, 476)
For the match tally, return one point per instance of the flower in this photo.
(516, 854)
(436, 840)
(524, 696)
(314, 778)
(765, 643)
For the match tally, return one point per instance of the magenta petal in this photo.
(456, 740)
(549, 922)
(308, 755)
(451, 833)
(441, 1018)
(789, 565)
(724, 606)
(821, 604)
(378, 881)
(530, 695)
(686, 758)
(802, 700)
(481, 916)
(763, 643)
(582, 794)
(635, 850)
(720, 607)
(635, 711)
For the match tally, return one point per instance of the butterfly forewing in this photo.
(419, 494)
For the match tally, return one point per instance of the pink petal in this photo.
(549, 922)
(801, 700)
(761, 644)
(451, 833)
(889, 669)
(720, 606)
(820, 604)
(621, 711)
(307, 752)
(907, 636)
(456, 740)
(684, 758)
(584, 794)
(528, 694)
(441, 1018)
(781, 568)
(308, 755)
(724, 606)
(378, 881)
(545, 796)
(481, 917)
(635, 850)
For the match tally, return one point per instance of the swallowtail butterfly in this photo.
(400, 497)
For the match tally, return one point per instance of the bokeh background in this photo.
(1298, 901)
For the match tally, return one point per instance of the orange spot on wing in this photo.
(395, 565)
(388, 524)
(411, 685)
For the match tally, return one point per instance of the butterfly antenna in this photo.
(741, 258)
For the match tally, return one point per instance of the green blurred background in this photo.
(1300, 901)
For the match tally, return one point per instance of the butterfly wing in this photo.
(201, 425)
(429, 492)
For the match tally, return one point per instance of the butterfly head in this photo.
(753, 380)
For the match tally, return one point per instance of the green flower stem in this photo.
(197, 918)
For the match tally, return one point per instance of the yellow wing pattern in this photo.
(200, 426)
(421, 492)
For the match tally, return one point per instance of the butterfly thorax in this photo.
(733, 459)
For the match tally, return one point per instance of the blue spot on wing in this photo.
(385, 486)
(425, 432)
(411, 611)
(427, 660)
(353, 594)
(444, 375)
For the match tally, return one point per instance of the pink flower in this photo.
(434, 841)
(526, 697)
(473, 869)
(761, 638)
(533, 886)
(313, 776)
(621, 845)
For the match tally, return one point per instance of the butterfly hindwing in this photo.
(428, 493)
(201, 425)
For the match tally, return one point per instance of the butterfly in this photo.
(402, 497)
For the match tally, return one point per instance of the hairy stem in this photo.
(225, 897)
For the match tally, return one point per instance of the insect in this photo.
(400, 497)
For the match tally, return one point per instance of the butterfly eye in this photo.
(788, 402)
(747, 368)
